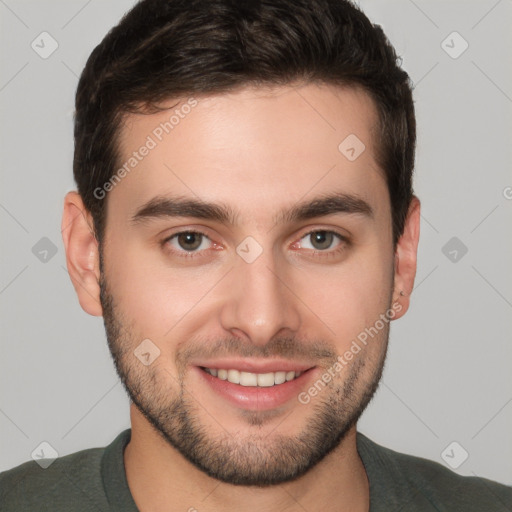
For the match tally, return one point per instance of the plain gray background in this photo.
(447, 377)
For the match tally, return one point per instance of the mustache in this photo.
(316, 351)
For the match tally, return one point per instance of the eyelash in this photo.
(323, 254)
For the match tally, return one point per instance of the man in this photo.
(246, 226)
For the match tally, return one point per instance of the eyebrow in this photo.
(161, 207)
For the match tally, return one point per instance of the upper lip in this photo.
(256, 365)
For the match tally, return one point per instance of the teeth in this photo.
(234, 376)
(266, 379)
(263, 380)
(279, 377)
(247, 379)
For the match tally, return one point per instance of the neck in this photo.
(162, 480)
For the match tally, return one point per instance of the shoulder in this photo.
(73, 478)
(420, 480)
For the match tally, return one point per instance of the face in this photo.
(248, 247)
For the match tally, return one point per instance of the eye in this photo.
(188, 241)
(321, 240)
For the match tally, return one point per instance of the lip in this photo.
(255, 398)
(255, 365)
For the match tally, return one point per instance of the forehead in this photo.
(257, 149)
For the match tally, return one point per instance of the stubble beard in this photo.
(257, 459)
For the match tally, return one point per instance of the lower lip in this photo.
(254, 397)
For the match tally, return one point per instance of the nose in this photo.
(260, 303)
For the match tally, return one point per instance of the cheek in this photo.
(351, 297)
(151, 296)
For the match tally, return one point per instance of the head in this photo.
(245, 201)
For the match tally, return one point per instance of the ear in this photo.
(82, 255)
(406, 258)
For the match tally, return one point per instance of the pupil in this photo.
(189, 241)
(323, 238)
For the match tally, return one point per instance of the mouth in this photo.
(254, 387)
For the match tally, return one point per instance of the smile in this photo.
(265, 380)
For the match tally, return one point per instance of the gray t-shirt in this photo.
(95, 480)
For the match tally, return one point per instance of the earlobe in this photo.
(82, 255)
(406, 255)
